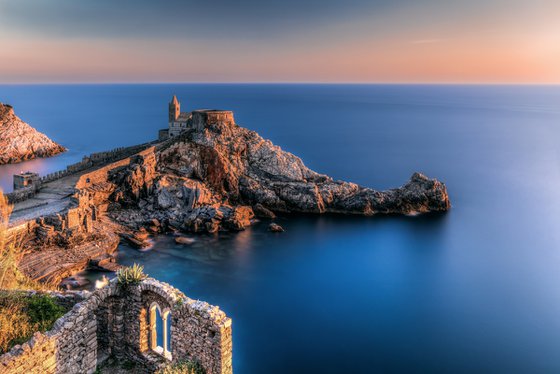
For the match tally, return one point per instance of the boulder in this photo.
(239, 218)
(165, 199)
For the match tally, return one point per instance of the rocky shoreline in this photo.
(21, 142)
(218, 177)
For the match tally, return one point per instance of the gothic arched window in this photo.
(160, 326)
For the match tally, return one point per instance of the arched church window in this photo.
(160, 328)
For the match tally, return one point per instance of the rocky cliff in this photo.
(218, 178)
(21, 142)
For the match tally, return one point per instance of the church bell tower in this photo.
(174, 109)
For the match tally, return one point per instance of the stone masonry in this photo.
(114, 321)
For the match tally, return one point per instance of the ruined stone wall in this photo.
(202, 331)
(114, 319)
(39, 354)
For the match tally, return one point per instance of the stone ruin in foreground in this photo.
(127, 323)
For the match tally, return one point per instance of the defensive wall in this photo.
(88, 162)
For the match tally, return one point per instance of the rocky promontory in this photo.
(215, 176)
(21, 142)
(221, 176)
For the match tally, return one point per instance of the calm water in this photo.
(474, 290)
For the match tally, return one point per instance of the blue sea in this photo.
(476, 290)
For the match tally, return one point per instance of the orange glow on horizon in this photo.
(486, 50)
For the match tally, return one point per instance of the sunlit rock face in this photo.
(21, 142)
(218, 176)
(242, 168)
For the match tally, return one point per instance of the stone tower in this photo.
(174, 109)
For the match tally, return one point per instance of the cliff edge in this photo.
(21, 142)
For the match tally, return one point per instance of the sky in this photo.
(358, 41)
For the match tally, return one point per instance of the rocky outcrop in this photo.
(219, 177)
(21, 142)
(242, 168)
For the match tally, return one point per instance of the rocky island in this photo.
(205, 174)
(21, 142)
(215, 175)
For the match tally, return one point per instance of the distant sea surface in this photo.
(476, 290)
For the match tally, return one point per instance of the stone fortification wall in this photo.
(94, 159)
(87, 162)
(115, 321)
(202, 117)
(101, 175)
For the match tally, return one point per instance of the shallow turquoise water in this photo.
(473, 290)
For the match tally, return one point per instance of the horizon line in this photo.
(287, 83)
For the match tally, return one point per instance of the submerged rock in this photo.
(274, 227)
(21, 142)
(184, 240)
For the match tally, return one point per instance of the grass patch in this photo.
(21, 316)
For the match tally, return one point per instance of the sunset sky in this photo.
(441, 41)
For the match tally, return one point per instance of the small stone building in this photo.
(26, 179)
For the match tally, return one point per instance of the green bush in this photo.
(131, 275)
(43, 311)
(183, 367)
(21, 316)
